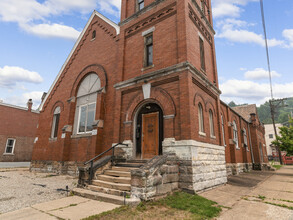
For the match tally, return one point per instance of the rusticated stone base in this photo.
(236, 168)
(63, 167)
(124, 152)
(201, 165)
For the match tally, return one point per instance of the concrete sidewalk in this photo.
(256, 196)
(73, 208)
(15, 164)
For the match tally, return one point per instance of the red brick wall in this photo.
(20, 125)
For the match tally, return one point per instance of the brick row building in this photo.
(150, 82)
(18, 129)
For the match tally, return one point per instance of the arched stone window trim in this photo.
(212, 124)
(201, 126)
(55, 122)
(235, 134)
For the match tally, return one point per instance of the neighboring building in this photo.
(17, 132)
(270, 136)
(150, 82)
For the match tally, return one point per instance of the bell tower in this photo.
(130, 7)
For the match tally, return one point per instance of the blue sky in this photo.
(37, 36)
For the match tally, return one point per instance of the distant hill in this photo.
(264, 112)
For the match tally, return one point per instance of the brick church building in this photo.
(149, 82)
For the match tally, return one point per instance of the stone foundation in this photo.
(236, 168)
(157, 177)
(124, 152)
(201, 165)
(67, 167)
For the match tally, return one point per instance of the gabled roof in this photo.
(246, 110)
(95, 13)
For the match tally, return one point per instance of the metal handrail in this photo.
(91, 161)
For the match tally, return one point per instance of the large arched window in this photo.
(55, 124)
(86, 103)
(211, 120)
(235, 134)
(200, 118)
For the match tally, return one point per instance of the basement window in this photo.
(9, 146)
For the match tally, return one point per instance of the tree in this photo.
(232, 104)
(285, 140)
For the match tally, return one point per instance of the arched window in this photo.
(211, 117)
(86, 103)
(200, 118)
(55, 124)
(235, 134)
(223, 129)
(94, 35)
(245, 137)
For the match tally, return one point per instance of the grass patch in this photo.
(261, 197)
(72, 205)
(277, 166)
(280, 205)
(179, 205)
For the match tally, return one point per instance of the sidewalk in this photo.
(73, 208)
(256, 195)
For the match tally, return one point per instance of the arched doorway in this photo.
(149, 131)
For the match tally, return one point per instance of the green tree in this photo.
(285, 140)
(232, 104)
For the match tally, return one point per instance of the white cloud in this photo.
(52, 30)
(242, 91)
(228, 8)
(234, 31)
(259, 74)
(288, 34)
(23, 98)
(10, 75)
(33, 16)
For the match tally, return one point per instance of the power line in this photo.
(273, 107)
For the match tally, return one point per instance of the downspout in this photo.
(250, 143)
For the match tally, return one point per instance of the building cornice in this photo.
(168, 71)
(18, 107)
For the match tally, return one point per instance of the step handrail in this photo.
(91, 161)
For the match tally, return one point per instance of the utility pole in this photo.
(274, 104)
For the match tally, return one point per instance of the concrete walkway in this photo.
(73, 208)
(256, 196)
(15, 164)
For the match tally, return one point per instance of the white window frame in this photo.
(201, 120)
(12, 152)
(57, 111)
(79, 113)
(223, 129)
(211, 121)
(235, 135)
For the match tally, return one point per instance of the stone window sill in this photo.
(213, 137)
(147, 67)
(202, 134)
(237, 148)
(8, 154)
(52, 139)
(81, 135)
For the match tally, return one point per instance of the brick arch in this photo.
(209, 106)
(158, 96)
(58, 103)
(199, 99)
(94, 68)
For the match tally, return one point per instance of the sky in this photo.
(38, 35)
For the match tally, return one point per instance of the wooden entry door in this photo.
(150, 135)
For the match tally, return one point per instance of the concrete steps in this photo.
(119, 200)
(113, 184)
